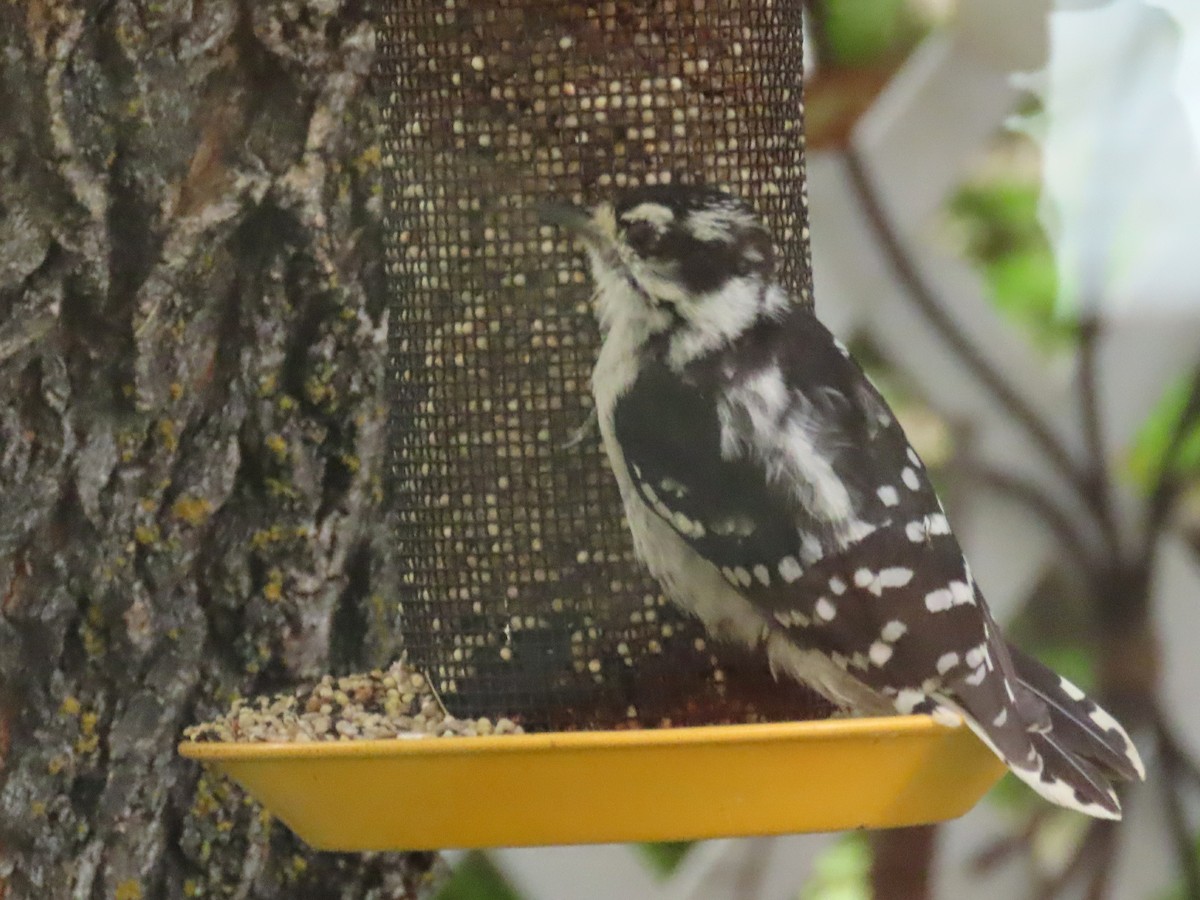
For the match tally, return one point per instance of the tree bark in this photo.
(191, 355)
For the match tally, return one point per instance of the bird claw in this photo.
(582, 433)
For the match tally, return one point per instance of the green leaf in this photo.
(664, 857)
(1147, 456)
(1024, 285)
(1004, 238)
(843, 872)
(1180, 891)
(1011, 793)
(475, 878)
(1074, 662)
(863, 32)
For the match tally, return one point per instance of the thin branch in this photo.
(1097, 473)
(1170, 747)
(994, 854)
(1101, 872)
(1036, 501)
(1169, 485)
(923, 297)
(1089, 403)
(1181, 836)
(1178, 767)
(1084, 858)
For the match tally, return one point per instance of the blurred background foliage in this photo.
(993, 222)
(475, 878)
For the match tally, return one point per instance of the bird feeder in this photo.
(518, 592)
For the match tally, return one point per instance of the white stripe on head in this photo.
(719, 223)
(654, 213)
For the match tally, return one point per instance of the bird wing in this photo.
(778, 462)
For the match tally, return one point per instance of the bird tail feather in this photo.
(1052, 737)
(1082, 727)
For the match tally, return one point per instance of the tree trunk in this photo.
(902, 862)
(191, 354)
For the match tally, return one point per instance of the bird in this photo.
(772, 492)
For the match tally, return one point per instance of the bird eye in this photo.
(641, 236)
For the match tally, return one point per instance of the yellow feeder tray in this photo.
(602, 786)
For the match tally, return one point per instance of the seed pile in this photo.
(397, 703)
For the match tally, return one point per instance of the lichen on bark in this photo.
(191, 357)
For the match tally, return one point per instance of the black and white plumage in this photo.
(772, 492)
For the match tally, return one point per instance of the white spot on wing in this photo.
(891, 577)
(937, 523)
(743, 577)
(686, 526)
(976, 677)
(837, 585)
(856, 531)
(673, 487)
(762, 574)
(939, 600)
(895, 576)
(976, 655)
(913, 458)
(880, 653)
(825, 610)
(946, 662)
(789, 569)
(910, 479)
(791, 618)
(893, 631)
(888, 495)
(1001, 717)
(915, 531)
(810, 548)
(907, 700)
(1070, 690)
(733, 526)
(961, 593)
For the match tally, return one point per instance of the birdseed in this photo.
(397, 703)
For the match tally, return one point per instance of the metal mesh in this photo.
(519, 591)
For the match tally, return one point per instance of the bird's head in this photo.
(692, 254)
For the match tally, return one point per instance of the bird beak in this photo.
(597, 230)
(577, 220)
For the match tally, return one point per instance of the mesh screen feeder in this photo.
(519, 593)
